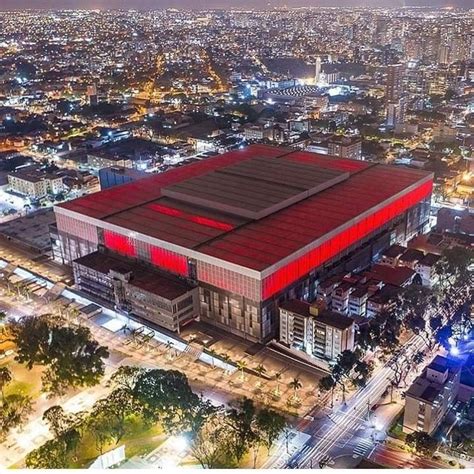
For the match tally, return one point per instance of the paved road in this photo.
(398, 459)
(350, 417)
(329, 438)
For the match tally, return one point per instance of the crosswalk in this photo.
(362, 448)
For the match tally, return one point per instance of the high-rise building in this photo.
(317, 70)
(443, 56)
(394, 100)
(92, 94)
(394, 84)
(317, 331)
(250, 229)
(396, 112)
(431, 395)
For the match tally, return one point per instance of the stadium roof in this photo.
(338, 191)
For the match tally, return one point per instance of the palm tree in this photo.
(213, 354)
(5, 379)
(169, 345)
(277, 378)
(260, 369)
(241, 365)
(295, 384)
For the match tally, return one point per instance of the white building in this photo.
(345, 147)
(35, 183)
(431, 395)
(318, 332)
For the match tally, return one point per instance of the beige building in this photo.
(257, 132)
(431, 395)
(34, 183)
(345, 147)
(101, 159)
(316, 331)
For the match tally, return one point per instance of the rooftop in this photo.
(394, 251)
(255, 188)
(272, 216)
(329, 318)
(397, 276)
(143, 277)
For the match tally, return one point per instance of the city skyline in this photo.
(236, 237)
(222, 4)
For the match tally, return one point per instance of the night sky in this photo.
(203, 4)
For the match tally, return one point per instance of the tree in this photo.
(14, 412)
(270, 425)
(241, 365)
(295, 384)
(71, 357)
(126, 377)
(260, 369)
(58, 420)
(328, 383)
(362, 370)
(5, 379)
(169, 346)
(165, 395)
(210, 445)
(422, 442)
(444, 335)
(241, 420)
(399, 365)
(278, 376)
(341, 370)
(251, 428)
(51, 455)
(418, 358)
(113, 411)
(453, 269)
(416, 306)
(98, 426)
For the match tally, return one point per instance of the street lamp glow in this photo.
(454, 351)
(180, 443)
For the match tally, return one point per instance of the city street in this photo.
(350, 426)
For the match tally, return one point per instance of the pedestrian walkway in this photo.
(363, 447)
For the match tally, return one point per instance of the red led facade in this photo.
(201, 220)
(316, 257)
(120, 243)
(168, 260)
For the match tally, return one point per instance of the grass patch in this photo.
(396, 428)
(139, 440)
(24, 381)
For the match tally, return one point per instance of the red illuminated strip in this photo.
(119, 243)
(205, 221)
(291, 272)
(169, 260)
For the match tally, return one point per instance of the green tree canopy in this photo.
(71, 356)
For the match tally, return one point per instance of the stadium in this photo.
(229, 238)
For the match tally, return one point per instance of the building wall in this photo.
(136, 301)
(245, 305)
(314, 337)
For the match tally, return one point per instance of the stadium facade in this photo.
(229, 238)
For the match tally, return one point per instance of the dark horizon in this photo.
(219, 4)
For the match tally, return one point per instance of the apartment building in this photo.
(431, 395)
(315, 330)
